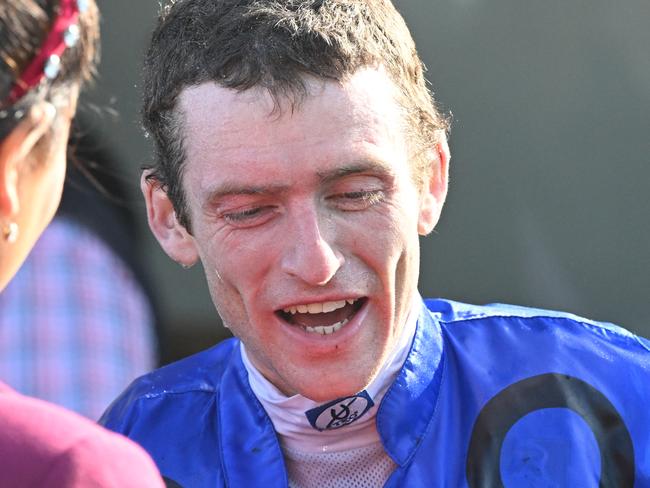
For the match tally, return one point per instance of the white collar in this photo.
(288, 413)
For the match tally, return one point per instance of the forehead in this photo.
(249, 131)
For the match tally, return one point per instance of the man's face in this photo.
(307, 223)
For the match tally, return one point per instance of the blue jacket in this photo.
(488, 396)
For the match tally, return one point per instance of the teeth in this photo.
(326, 329)
(315, 308)
(322, 307)
(331, 306)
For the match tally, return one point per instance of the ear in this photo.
(434, 190)
(172, 236)
(15, 148)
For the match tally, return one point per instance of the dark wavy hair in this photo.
(274, 44)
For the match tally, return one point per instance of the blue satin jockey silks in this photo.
(488, 396)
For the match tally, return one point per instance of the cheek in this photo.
(389, 246)
(385, 235)
(242, 260)
(235, 270)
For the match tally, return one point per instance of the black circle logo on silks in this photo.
(339, 413)
(549, 391)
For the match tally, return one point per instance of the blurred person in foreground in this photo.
(47, 48)
(299, 157)
(77, 323)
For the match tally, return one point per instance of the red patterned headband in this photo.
(47, 63)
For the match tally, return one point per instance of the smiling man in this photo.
(299, 158)
(306, 223)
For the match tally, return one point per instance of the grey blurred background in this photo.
(550, 174)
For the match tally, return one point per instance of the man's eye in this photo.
(357, 200)
(248, 217)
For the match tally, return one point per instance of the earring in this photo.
(10, 232)
(186, 266)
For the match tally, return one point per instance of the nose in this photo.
(310, 256)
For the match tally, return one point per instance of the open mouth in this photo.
(322, 317)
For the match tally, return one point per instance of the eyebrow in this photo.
(364, 166)
(234, 189)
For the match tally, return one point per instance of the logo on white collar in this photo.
(340, 412)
